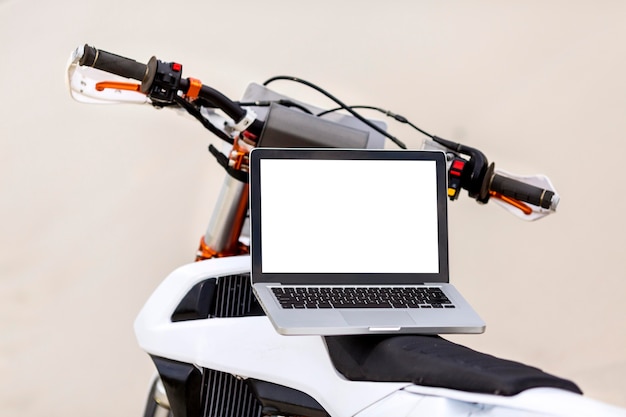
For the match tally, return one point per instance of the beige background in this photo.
(99, 203)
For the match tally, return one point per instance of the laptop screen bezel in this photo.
(299, 278)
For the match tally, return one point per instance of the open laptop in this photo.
(353, 241)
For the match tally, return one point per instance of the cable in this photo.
(397, 117)
(192, 110)
(340, 103)
(336, 109)
(286, 103)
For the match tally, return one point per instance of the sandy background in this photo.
(99, 203)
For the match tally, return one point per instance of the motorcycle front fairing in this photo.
(247, 347)
(250, 348)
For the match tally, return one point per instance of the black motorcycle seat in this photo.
(436, 362)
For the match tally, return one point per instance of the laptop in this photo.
(353, 241)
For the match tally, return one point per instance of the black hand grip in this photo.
(112, 63)
(521, 191)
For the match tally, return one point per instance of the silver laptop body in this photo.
(369, 227)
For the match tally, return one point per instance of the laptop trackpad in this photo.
(377, 318)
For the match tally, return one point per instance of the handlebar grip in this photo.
(521, 191)
(112, 63)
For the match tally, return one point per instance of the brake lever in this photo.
(537, 180)
(478, 181)
(93, 86)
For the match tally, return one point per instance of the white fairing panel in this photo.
(249, 347)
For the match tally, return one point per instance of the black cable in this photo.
(192, 110)
(397, 117)
(336, 109)
(223, 161)
(267, 103)
(340, 103)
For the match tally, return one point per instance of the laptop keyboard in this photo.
(361, 297)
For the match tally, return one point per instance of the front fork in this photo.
(223, 234)
(157, 404)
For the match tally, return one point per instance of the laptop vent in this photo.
(234, 297)
(227, 396)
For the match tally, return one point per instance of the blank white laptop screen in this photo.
(349, 216)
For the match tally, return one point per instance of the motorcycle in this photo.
(216, 353)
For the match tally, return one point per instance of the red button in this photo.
(457, 164)
(176, 67)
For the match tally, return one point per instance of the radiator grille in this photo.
(234, 297)
(227, 396)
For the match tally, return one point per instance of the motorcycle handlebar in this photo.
(113, 63)
(161, 81)
(151, 74)
(522, 191)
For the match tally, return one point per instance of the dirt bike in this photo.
(216, 353)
